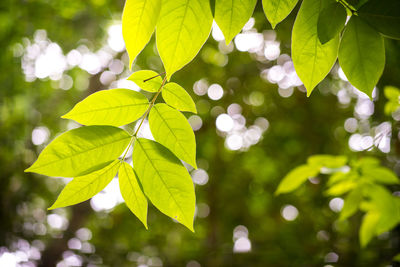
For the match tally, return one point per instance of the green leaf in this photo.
(182, 29)
(165, 181)
(327, 161)
(277, 10)
(139, 19)
(132, 193)
(81, 151)
(82, 188)
(362, 55)
(380, 175)
(351, 203)
(341, 188)
(231, 16)
(368, 226)
(296, 177)
(331, 21)
(383, 15)
(171, 129)
(397, 257)
(109, 107)
(177, 97)
(142, 79)
(312, 60)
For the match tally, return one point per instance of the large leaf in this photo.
(171, 129)
(132, 193)
(231, 16)
(277, 10)
(331, 21)
(80, 151)
(82, 188)
(362, 55)
(139, 19)
(165, 181)
(383, 15)
(147, 80)
(297, 177)
(182, 29)
(177, 97)
(109, 107)
(312, 60)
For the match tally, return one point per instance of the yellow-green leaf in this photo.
(109, 107)
(147, 80)
(182, 29)
(139, 19)
(331, 21)
(177, 97)
(297, 177)
(82, 188)
(312, 60)
(171, 129)
(351, 203)
(231, 16)
(132, 193)
(81, 151)
(278, 10)
(165, 181)
(362, 55)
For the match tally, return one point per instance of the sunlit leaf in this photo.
(109, 107)
(331, 21)
(296, 177)
(82, 188)
(277, 10)
(147, 80)
(341, 188)
(182, 29)
(351, 203)
(132, 193)
(139, 19)
(177, 97)
(327, 161)
(312, 60)
(368, 226)
(81, 151)
(165, 181)
(380, 175)
(231, 16)
(383, 15)
(362, 55)
(171, 129)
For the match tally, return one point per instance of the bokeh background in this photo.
(254, 124)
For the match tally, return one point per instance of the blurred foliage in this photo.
(236, 205)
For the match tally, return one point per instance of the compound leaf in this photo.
(132, 193)
(171, 129)
(231, 16)
(182, 29)
(81, 151)
(177, 97)
(109, 107)
(139, 19)
(82, 188)
(165, 181)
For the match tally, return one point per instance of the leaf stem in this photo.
(153, 100)
(349, 7)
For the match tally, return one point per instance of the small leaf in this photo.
(132, 193)
(327, 161)
(380, 175)
(296, 177)
(277, 10)
(341, 188)
(351, 203)
(231, 16)
(331, 21)
(142, 79)
(177, 97)
(81, 151)
(312, 60)
(182, 29)
(383, 15)
(368, 226)
(171, 129)
(109, 107)
(165, 181)
(362, 55)
(139, 19)
(82, 188)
